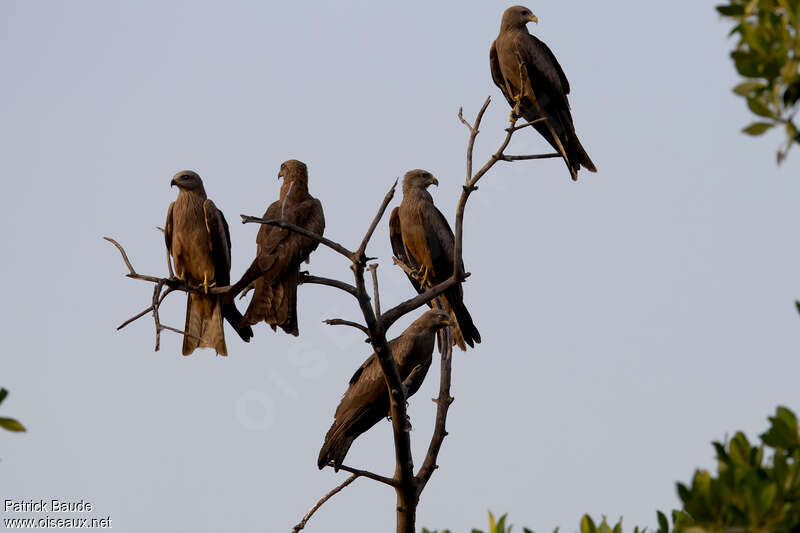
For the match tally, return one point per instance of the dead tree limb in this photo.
(322, 501)
(172, 285)
(409, 486)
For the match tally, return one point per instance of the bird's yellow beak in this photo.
(445, 322)
(533, 18)
(432, 181)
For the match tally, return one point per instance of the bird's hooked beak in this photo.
(173, 183)
(431, 181)
(445, 322)
(533, 18)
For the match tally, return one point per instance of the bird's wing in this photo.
(440, 241)
(399, 249)
(279, 248)
(168, 228)
(543, 68)
(497, 74)
(219, 242)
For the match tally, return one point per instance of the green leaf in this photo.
(766, 498)
(758, 128)
(663, 523)
(587, 525)
(730, 10)
(747, 87)
(11, 425)
(759, 108)
(783, 432)
(3, 394)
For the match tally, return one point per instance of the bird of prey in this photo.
(366, 400)
(422, 239)
(543, 79)
(276, 268)
(199, 242)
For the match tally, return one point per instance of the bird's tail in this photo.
(275, 302)
(579, 156)
(335, 448)
(464, 330)
(204, 324)
(234, 317)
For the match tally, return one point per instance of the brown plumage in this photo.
(366, 400)
(544, 79)
(280, 252)
(422, 239)
(199, 242)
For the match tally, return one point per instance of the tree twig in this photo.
(366, 473)
(343, 322)
(442, 406)
(140, 315)
(335, 246)
(322, 501)
(305, 277)
(375, 292)
(359, 255)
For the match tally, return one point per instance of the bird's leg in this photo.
(424, 272)
(206, 285)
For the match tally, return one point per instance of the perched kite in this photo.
(275, 270)
(199, 242)
(422, 239)
(543, 78)
(366, 400)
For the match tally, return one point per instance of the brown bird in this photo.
(422, 239)
(280, 252)
(199, 242)
(544, 79)
(366, 400)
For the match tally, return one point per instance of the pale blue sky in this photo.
(653, 310)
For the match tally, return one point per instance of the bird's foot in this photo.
(206, 285)
(422, 275)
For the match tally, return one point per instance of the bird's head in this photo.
(187, 180)
(418, 179)
(295, 176)
(518, 17)
(434, 319)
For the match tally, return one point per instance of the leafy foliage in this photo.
(767, 56)
(9, 423)
(756, 489)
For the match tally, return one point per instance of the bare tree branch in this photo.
(442, 405)
(522, 126)
(156, 299)
(359, 255)
(343, 322)
(375, 292)
(528, 157)
(382, 479)
(322, 501)
(140, 315)
(335, 246)
(305, 277)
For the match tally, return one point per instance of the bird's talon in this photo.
(206, 285)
